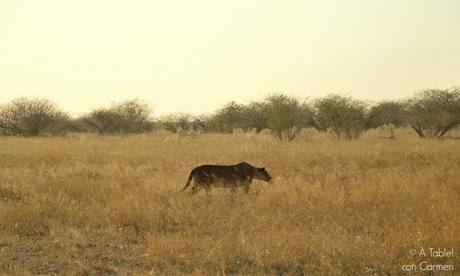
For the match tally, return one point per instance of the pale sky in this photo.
(194, 56)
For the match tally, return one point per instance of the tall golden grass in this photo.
(110, 205)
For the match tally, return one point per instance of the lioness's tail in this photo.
(188, 181)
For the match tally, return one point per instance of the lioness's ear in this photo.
(263, 168)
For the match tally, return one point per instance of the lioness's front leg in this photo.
(207, 187)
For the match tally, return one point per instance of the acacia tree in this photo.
(255, 116)
(344, 117)
(434, 112)
(227, 118)
(388, 114)
(286, 116)
(131, 116)
(29, 116)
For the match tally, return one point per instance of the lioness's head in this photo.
(262, 174)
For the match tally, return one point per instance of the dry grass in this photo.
(110, 205)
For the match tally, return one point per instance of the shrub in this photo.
(388, 114)
(30, 116)
(286, 116)
(227, 118)
(344, 117)
(180, 122)
(131, 116)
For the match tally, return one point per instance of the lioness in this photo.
(239, 175)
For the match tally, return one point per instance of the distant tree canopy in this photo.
(30, 117)
(131, 116)
(227, 118)
(434, 112)
(286, 116)
(388, 114)
(283, 114)
(343, 116)
(255, 116)
(181, 122)
(431, 112)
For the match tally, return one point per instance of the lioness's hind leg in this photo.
(195, 189)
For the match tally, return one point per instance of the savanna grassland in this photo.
(87, 204)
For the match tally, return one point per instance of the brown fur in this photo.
(234, 176)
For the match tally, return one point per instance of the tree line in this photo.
(430, 113)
